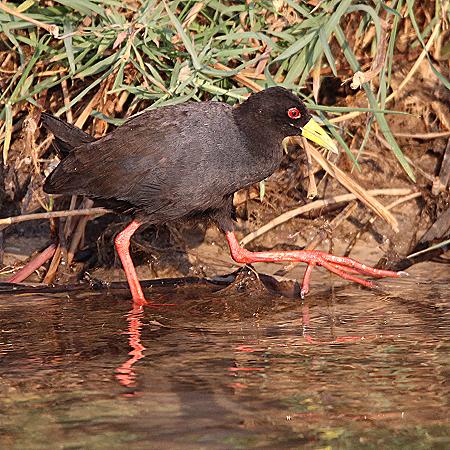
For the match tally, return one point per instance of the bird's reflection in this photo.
(127, 376)
(125, 373)
(311, 340)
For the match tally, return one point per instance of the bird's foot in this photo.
(346, 268)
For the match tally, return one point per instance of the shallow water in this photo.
(235, 368)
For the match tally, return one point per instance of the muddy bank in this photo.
(421, 131)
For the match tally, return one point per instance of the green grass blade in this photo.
(381, 119)
(410, 6)
(85, 7)
(295, 48)
(8, 131)
(327, 51)
(185, 38)
(68, 45)
(99, 66)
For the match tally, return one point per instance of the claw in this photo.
(306, 278)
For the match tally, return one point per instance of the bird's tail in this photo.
(67, 136)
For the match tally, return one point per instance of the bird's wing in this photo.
(169, 158)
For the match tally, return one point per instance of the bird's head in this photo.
(281, 110)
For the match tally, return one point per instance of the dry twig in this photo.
(317, 205)
(360, 193)
(52, 29)
(359, 78)
(54, 214)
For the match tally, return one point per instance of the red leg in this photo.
(344, 267)
(122, 242)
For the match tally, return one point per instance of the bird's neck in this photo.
(264, 141)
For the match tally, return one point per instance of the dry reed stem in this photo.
(317, 204)
(33, 265)
(353, 187)
(52, 29)
(66, 98)
(54, 214)
(399, 201)
(78, 234)
(240, 78)
(424, 136)
(312, 187)
(51, 272)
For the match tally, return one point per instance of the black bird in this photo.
(185, 162)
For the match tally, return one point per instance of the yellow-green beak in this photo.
(315, 133)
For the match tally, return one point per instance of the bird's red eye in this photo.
(294, 113)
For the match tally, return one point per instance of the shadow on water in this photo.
(231, 365)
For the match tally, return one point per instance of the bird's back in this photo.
(167, 163)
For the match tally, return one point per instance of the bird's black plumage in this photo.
(179, 161)
(67, 137)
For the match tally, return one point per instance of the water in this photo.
(239, 368)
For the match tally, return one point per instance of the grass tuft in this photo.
(155, 53)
